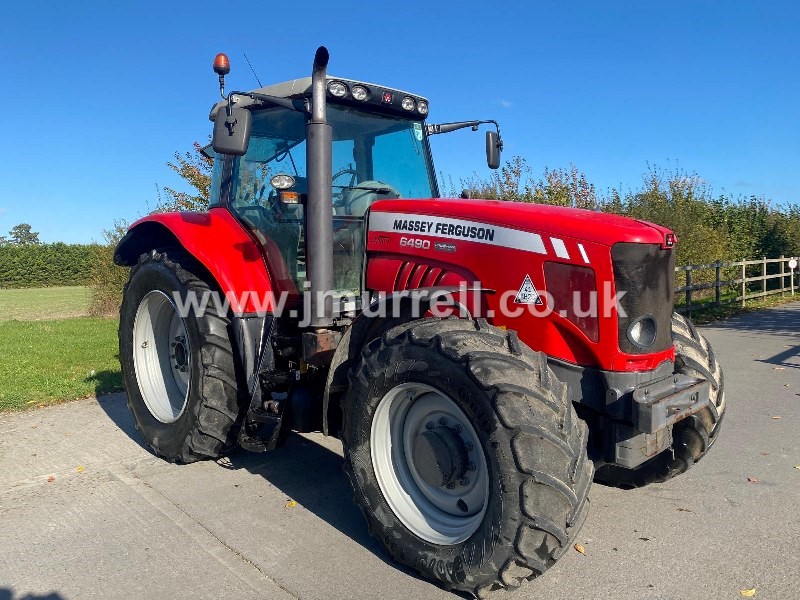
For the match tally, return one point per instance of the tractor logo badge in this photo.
(527, 294)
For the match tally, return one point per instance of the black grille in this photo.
(647, 273)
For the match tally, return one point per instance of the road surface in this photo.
(86, 512)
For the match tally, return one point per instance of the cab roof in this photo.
(301, 88)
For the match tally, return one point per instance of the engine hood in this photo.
(592, 226)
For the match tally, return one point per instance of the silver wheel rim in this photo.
(161, 357)
(443, 515)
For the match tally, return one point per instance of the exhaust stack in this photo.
(319, 207)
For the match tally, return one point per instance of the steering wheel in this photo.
(338, 197)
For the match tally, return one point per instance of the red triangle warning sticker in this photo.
(527, 294)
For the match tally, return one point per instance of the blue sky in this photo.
(99, 95)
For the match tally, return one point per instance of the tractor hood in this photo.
(588, 225)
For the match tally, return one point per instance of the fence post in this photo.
(764, 277)
(689, 290)
(783, 279)
(744, 282)
(716, 285)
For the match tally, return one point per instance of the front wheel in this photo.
(465, 454)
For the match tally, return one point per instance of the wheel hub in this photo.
(179, 353)
(429, 463)
(440, 456)
(162, 356)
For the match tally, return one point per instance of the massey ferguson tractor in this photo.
(482, 361)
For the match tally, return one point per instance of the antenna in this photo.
(253, 70)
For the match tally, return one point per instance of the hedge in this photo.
(45, 265)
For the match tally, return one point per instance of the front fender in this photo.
(214, 239)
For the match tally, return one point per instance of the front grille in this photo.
(646, 273)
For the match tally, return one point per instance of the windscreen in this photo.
(374, 157)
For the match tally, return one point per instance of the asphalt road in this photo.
(86, 512)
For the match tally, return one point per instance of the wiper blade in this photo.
(377, 190)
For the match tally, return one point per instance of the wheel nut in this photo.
(442, 421)
(458, 428)
(468, 445)
(464, 481)
(451, 486)
(429, 425)
(472, 466)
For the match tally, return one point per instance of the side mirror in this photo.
(494, 146)
(232, 132)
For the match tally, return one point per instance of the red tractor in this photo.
(482, 361)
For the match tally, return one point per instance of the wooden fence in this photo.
(729, 282)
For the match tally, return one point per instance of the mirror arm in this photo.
(289, 103)
(448, 127)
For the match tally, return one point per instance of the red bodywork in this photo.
(217, 240)
(526, 237)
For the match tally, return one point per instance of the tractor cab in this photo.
(379, 150)
(325, 148)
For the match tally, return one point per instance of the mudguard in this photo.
(217, 241)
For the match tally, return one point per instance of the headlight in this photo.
(642, 332)
(337, 88)
(408, 103)
(282, 181)
(422, 107)
(360, 92)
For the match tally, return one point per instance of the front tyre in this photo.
(465, 454)
(178, 368)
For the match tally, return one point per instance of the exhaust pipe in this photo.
(319, 207)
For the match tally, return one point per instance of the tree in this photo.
(106, 280)
(194, 167)
(22, 235)
(514, 181)
(3, 241)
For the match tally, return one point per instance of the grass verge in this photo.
(47, 362)
(37, 304)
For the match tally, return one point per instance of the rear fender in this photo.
(218, 242)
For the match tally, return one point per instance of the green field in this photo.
(49, 353)
(36, 304)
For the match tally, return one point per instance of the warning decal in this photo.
(527, 294)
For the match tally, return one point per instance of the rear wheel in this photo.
(465, 454)
(178, 368)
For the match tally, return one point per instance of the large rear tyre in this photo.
(692, 437)
(465, 454)
(178, 368)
